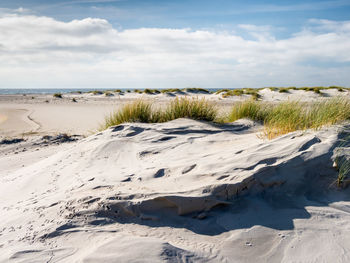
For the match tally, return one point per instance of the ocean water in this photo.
(43, 91)
(52, 91)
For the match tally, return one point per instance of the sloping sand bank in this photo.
(182, 191)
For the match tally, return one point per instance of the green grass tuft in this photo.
(248, 109)
(197, 109)
(222, 90)
(96, 92)
(170, 90)
(238, 92)
(151, 91)
(290, 116)
(57, 95)
(142, 111)
(195, 90)
(108, 94)
(283, 90)
(138, 111)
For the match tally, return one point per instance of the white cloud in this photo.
(43, 52)
(330, 26)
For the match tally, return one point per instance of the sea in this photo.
(52, 91)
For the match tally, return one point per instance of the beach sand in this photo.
(181, 191)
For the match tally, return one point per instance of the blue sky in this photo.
(287, 16)
(269, 33)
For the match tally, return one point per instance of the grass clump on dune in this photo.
(108, 94)
(170, 90)
(143, 111)
(283, 90)
(343, 167)
(96, 92)
(57, 95)
(317, 90)
(151, 91)
(342, 161)
(285, 117)
(254, 93)
(222, 90)
(250, 109)
(197, 109)
(138, 111)
(235, 92)
(196, 90)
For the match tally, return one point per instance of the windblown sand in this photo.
(181, 191)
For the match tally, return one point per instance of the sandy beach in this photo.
(178, 191)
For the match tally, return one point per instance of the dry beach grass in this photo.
(277, 118)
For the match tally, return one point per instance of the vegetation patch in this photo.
(170, 90)
(283, 90)
(277, 119)
(196, 90)
(342, 160)
(285, 117)
(108, 94)
(144, 111)
(151, 91)
(96, 92)
(57, 95)
(197, 109)
(238, 92)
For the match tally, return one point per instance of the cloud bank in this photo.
(37, 51)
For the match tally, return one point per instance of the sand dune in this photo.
(182, 191)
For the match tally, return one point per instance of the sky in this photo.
(174, 44)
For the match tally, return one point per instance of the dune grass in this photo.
(144, 111)
(58, 95)
(342, 161)
(283, 90)
(317, 90)
(108, 93)
(195, 90)
(277, 119)
(343, 167)
(170, 90)
(285, 117)
(151, 91)
(197, 109)
(238, 92)
(138, 111)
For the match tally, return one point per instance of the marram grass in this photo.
(144, 111)
(278, 118)
(138, 111)
(197, 109)
(285, 117)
